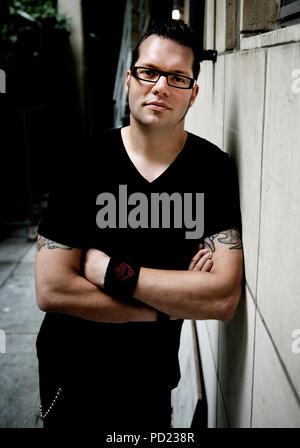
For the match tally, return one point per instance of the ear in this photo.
(127, 80)
(194, 95)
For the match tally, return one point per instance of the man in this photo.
(115, 270)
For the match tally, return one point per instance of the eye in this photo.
(148, 73)
(178, 79)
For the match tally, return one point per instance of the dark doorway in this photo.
(103, 25)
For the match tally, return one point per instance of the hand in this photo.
(95, 265)
(202, 261)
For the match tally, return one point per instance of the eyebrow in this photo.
(180, 72)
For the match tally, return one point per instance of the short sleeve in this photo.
(222, 205)
(66, 218)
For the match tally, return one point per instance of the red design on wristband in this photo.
(124, 271)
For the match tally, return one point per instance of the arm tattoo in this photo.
(44, 242)
(231, 237)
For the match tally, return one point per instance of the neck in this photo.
(163, 144)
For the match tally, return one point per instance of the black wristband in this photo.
(121, 278)
(162, 316)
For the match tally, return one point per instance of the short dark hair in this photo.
(176, 30)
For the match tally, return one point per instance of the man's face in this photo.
(160, 105)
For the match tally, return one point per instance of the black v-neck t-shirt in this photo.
(138, 352)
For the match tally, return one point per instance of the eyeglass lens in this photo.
(175, 80)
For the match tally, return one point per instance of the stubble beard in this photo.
(187, 109)
(179, 121)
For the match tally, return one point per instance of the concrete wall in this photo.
(136, 19)
(249, 105)
(72, 9)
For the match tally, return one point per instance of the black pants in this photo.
(109, 408)
(104, 383)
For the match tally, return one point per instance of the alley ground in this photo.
(20, 320)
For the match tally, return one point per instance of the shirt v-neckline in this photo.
(161, 175)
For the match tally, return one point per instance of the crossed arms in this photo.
(209, 289)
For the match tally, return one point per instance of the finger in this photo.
(207, 265)
(192, 264)
(197, 257)
(199, 265)
(201, 253)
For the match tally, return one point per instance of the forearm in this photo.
(191, 294)
(78, 297)
(184, 294)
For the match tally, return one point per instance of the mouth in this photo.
(157, 105)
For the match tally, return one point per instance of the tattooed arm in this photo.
(231, 237)
(189, 294)
(44, 242)
(61, 288)
(199, 295)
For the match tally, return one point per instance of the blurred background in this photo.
(60, 61)
(64, 63)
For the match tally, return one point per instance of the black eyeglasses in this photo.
(173, 79)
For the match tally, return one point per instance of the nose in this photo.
(161, 86)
